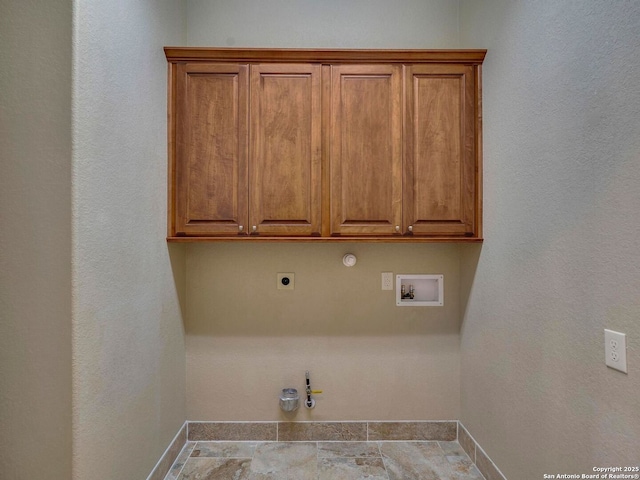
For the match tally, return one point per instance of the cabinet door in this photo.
(285, 154)
(211, 149)
(440, 152)
(366, 150)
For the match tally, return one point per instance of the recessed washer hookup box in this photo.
(419, 290)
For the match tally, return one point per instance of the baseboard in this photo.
(478, 455)
(170, 454)
(360, 431)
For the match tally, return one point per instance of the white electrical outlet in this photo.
(615, 350)
(387, 280)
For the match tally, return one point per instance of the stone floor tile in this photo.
(224, 449)
(208, 468)
(340, 460)
(413, 460)
(371, 468)
(460, 468)
(285, 461)
(348, 449)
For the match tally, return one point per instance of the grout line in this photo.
(321, 421)
(234, 421)
(384, 463)
(475, 448)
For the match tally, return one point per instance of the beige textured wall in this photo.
(245, 339)
(323, 24)
(35, 239)
(128, 340)
(560, 262)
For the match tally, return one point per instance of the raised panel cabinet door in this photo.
(211, 149)
(366, 150)
(440, 191)
(285, 150)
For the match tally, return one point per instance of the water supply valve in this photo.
(310, 402)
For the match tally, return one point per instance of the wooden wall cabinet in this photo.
(237, 174)
(366, 149)
(285, 174)
(441, 174)
(325, 145)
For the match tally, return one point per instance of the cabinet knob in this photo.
(411, 228)
(240, 228)
(254, 228)
(397, 228)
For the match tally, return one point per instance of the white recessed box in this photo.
(428, 290)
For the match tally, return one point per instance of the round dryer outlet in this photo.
(285, 281)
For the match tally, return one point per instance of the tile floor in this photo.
(390, 460)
